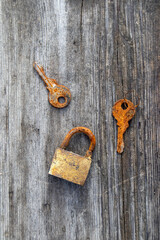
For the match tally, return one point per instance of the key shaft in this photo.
(120, 142)
(51, 83)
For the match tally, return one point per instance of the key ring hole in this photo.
(124, 105)
(61, 100)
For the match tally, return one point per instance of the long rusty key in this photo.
(123, 111)
(56, 91)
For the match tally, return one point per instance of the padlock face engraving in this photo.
(70, 166)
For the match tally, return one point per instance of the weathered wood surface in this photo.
(99, 49)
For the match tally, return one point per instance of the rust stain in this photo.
(123, 111)
(56, 91)
(71, 166)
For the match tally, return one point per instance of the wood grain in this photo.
(100, 50)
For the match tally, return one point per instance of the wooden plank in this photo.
(99, 49)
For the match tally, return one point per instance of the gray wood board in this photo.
(100, 49)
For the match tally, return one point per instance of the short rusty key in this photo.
(56, 91)
(123, 111)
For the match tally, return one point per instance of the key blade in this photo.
(51, 83)
(121, 130)
(120, 142)
(40, 71)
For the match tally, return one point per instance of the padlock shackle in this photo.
(84, 130)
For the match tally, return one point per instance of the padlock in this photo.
(71, 166)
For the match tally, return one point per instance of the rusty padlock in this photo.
(71, 166)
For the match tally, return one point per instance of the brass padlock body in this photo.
(70, 166)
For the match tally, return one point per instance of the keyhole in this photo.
(61, 99)
(124, 105)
